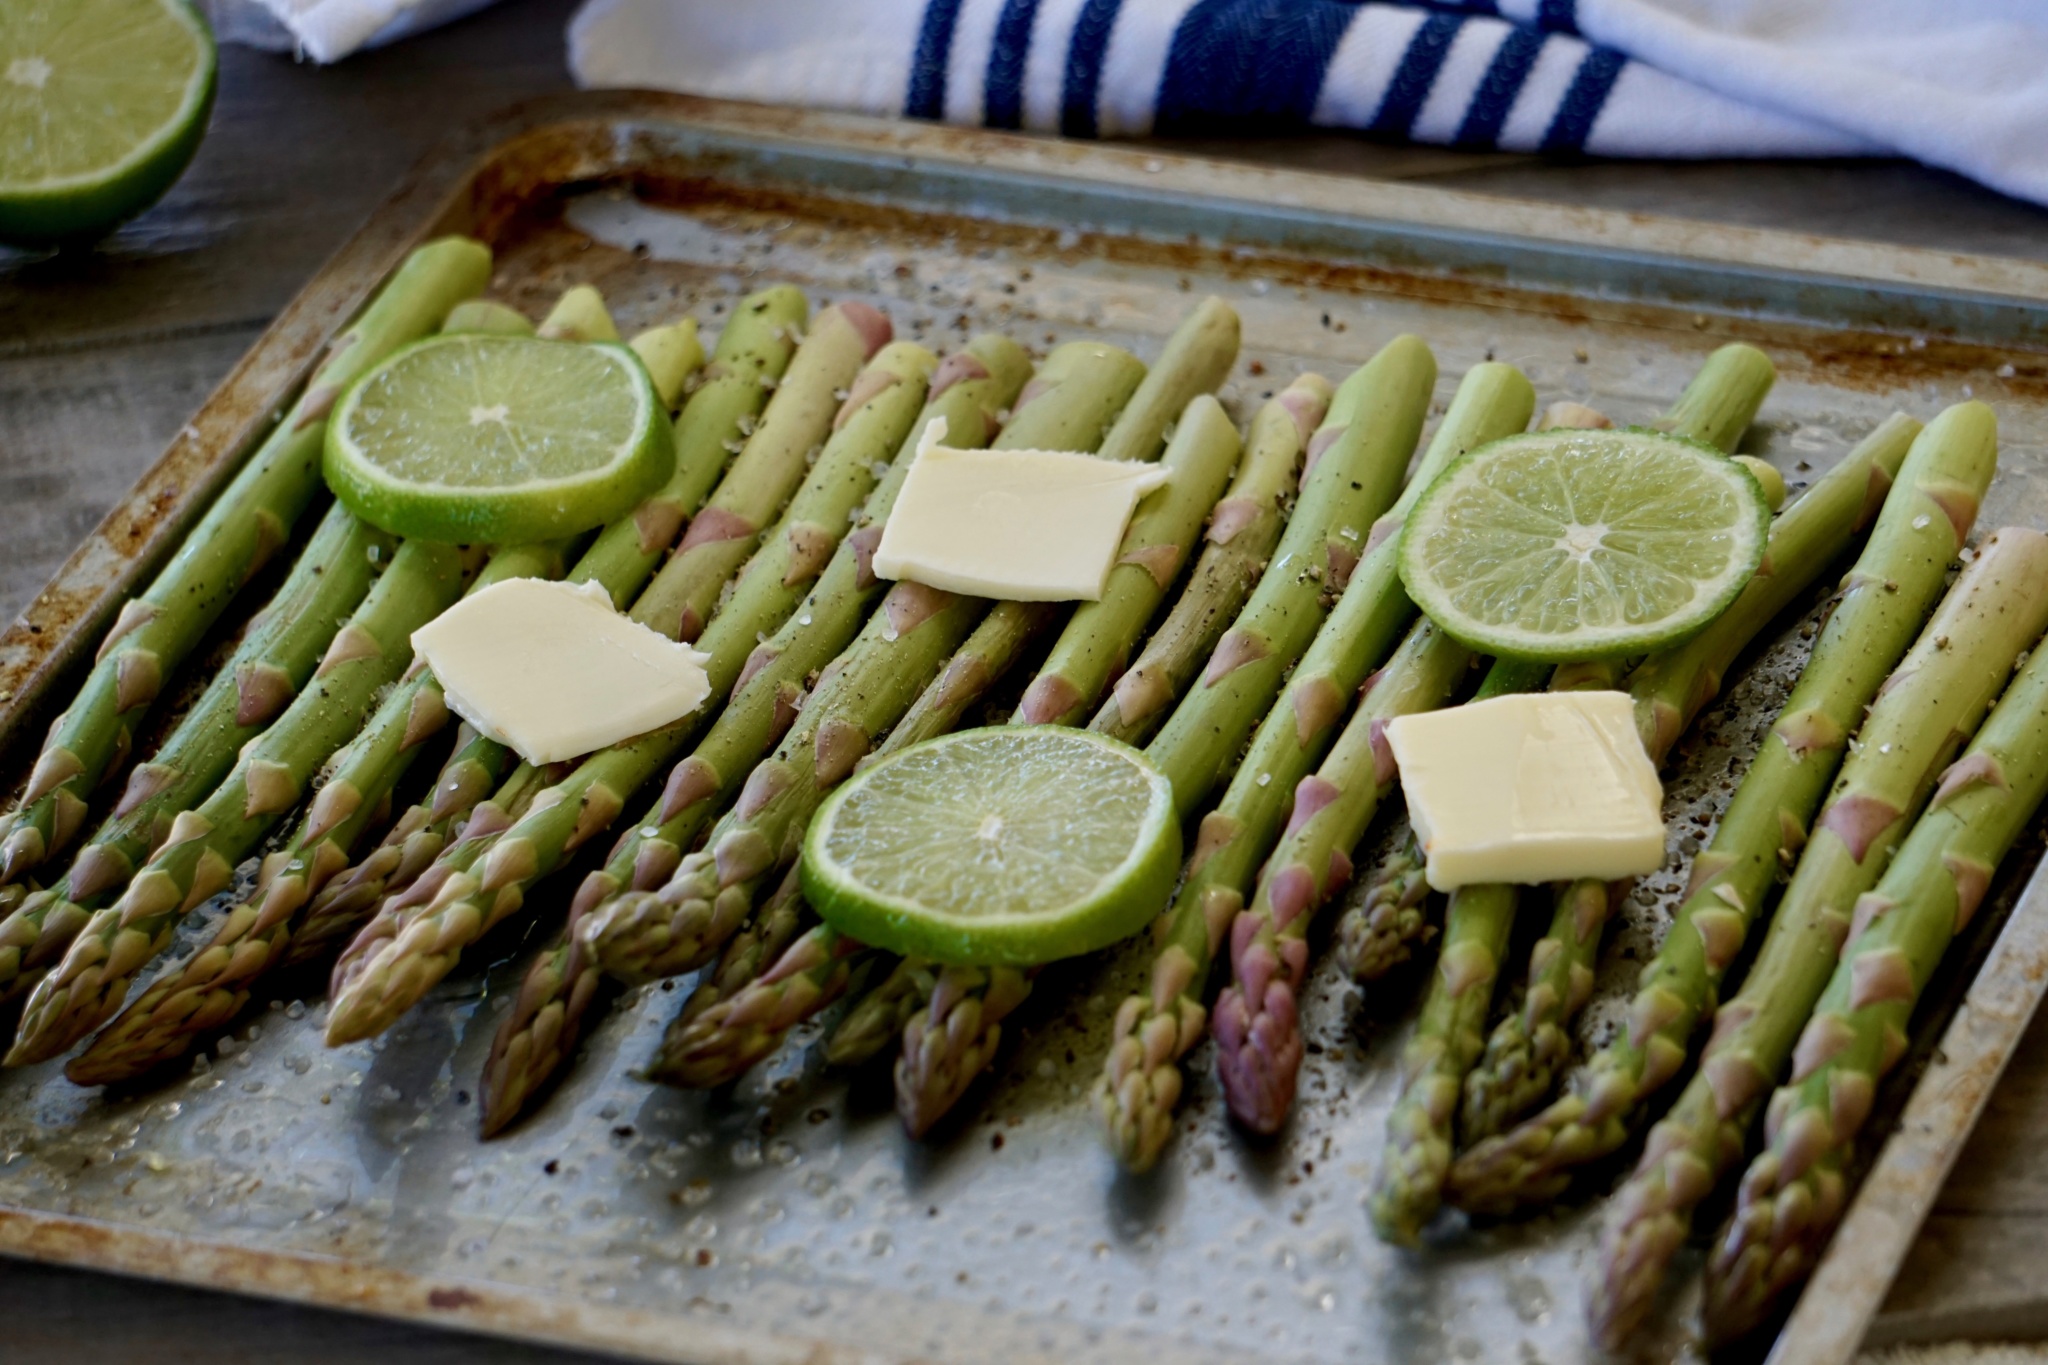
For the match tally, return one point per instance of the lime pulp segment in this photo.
(1570, 544)
(102, 103)
(490, 438)
(1005, 846)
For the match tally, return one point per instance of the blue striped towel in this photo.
(1962, 84)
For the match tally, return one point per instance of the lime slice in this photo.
(1569, 544)
(486, 439)
(1007, 846)
(102, 103)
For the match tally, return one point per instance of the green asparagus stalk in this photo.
(1240, 539)
(1886, 596)
(968, 391)
(672, 353)
(579, 315)
(1161, 533)
(276, 656)
(1141, 1083)
(1447, 1040)
(1258, 1037)
(1793, 1193)
(208, 990)
(1380, 932)
(394, 958)
(198, 857)
(1408, 1189)
(821, 382)
(489, 317)
(1934, 702)
(876, 1020)
(952, 1040)
(247, 523)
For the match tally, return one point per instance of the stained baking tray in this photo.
(788, 1219)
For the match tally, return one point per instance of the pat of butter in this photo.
(554, 672)
(1544, 787)
(1020, 525)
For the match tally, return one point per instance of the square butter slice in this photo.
(552, 671)
(1548, 786)
(1017, 525)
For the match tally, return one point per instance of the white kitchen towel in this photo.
(1962, 84)
(328, 30)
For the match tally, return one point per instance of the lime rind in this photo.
(428, 464)
(927, 804)
(82, 203)
(1565, 545)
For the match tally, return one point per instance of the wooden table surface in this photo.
(103, 358)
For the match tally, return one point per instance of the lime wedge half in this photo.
(1568, 544)
(102, 103)
(1006, 846)
(486, 439)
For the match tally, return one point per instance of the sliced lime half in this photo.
(495, 439)
(1568, 544)
(1006, 846)
(102, 103)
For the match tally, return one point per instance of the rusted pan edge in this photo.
(1841, 1300)
(64, 622)
(360, 1287)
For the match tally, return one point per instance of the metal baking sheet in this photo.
(789, 1219)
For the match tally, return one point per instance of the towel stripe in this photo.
(1584, 101)
(1249, 66)
(1085, 52)
(1003, 100)
(1509, 71)
(1558, 16)
(1417, 72)
(926, 97)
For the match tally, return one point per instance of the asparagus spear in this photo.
(1258, 1040)
(1793, 1193)
(579, 315)
(198, 857)
(1161, 533)
(1241, 538)
(968, 390)
(876, 1020)
(272, 663)
(1141, 1082)
(209, 989)
(952, 1040)
(489, 317)
(1409, 1185)
(1886, 595)
(820, 382)
(1935, 700)
(246, 524)
(395, 957)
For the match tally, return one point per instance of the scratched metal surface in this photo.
(789, 1219)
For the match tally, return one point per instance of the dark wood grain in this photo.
(103, 357)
